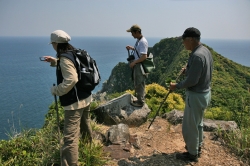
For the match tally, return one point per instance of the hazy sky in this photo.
(223, 19)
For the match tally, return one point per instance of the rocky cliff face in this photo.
(119, 80)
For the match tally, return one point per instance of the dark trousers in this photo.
(139, 83)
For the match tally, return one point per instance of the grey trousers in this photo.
(139, 83)
(76, 123)
(192, 125)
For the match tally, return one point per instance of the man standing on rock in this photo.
(140, 54)
(198, 93)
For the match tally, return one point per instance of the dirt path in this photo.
(162, 141)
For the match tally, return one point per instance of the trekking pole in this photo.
(170, 91)
(58, 123)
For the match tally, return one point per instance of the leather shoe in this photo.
(137, 104)
(186, 156)
(199, 151)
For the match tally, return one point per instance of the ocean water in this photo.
(25, 81)
(235, 50)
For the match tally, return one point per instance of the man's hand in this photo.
(129, 48)
(132, 64)
(172, 86)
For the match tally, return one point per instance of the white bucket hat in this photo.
(59, 36)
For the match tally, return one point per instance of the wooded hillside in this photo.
(230, 83)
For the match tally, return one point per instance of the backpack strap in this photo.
(76, 53)
(74, 59)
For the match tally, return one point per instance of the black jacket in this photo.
(75, 93)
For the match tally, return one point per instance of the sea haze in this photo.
(235, 50)
(25, 81)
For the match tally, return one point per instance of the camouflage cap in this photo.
(134, 28)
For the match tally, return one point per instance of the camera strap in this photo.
(132, 53)
(136, 45)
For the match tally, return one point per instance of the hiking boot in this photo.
(186, 156)
(199, 151)
(137, 104)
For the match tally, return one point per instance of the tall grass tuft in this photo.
(238, 141)
(91, 154)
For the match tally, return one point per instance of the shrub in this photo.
(155, 94)
(218, 113)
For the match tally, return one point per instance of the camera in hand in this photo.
(42, 59)
(130, 58)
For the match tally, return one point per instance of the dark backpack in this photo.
(87, 70)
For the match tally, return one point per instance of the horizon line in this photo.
(130, 37)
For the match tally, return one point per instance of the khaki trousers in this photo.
(139, 83)
(76, 122)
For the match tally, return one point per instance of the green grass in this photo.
(41, 147)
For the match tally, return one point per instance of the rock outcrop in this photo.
(175, 117)
(119, 110)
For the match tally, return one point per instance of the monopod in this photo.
(170, 91)
(57, 117)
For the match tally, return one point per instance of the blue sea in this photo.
(25, 81)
